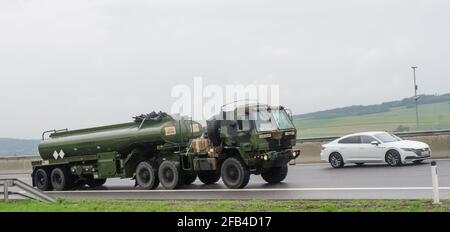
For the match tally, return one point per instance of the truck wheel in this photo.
(189, 178)
(96, 182)
(208, 177)
(170, 175)
(146, 175)
(235, 175)
(41, 180)
(275, 175)
(61, 179)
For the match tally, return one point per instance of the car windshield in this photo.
(272, 120)
(387, 138)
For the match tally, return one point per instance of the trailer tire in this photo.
(61, 179)
(189, 178)
(92, 183)
(235, 175)
(169, 175)
(275, 174)
(208, 177)
(41, 180)
(147, 175)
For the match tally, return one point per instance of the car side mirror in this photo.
(375, 143)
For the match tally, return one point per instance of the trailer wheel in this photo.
(189, 178)
(169, 175)
(235, 175)
(61, 179)
(146, 175)
(209, 177)
(96, 182)
(275, 175)
(41, 180)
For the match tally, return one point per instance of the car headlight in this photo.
(409, 149)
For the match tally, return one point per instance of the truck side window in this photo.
(243, 125)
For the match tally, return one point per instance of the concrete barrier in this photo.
(11, 165)
(439, 144)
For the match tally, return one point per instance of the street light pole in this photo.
(416, 98)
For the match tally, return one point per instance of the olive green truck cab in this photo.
(159, 149)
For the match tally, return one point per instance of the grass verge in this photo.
(227, 206)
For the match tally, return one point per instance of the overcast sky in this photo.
(85, 63)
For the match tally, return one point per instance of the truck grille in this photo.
(279, 142)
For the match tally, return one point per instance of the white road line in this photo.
(252, 190)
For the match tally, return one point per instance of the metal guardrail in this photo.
(401, 134)
(19, 157)
(32, 192)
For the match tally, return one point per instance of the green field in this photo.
(227, 206)
(431, 117)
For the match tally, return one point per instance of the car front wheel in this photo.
(393, 158)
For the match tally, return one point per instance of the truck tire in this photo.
(235, 175)
(92, 183)
(41, 180)
(208, 177)
(189, 178)
(61, 179)
(169, 175)
(147, 175)
(275, 174)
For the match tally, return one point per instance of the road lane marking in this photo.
(251, 190)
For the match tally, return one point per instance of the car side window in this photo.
(351, 140)
(365, 139)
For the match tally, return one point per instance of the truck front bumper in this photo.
(276, 158)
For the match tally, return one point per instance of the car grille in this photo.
(420, 151)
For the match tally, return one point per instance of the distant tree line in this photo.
(357, 110)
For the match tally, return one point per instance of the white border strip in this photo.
(251, 190)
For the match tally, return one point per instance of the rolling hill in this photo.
(434, 114)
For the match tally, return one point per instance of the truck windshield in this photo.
(273, 120)
(264, 121)
(282, 119)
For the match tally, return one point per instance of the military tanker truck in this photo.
(159, 149)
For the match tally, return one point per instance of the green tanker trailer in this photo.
(157, 148)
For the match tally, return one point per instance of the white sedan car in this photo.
(373, 147)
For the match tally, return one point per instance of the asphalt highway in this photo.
(306, 181)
